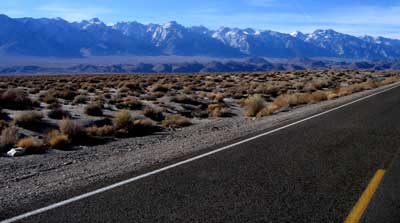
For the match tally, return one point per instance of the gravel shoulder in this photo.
(40, 178)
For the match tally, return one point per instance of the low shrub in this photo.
(320, 83)
(107, 130)
(318, 96)
(16, 99)
(131, 103)
(176, 121)
(48, 98)
(293, 99)
(80, 99)
(3, 125)
(159, 88)
(8, 138)
(184, 99)
(31, 145)
(268, 110)
(66, 94)
(219, 97)
(53, 105)
(217, 111)
(56, 140)
(94, 110)
(370, 84)
(332, 94)
(58, 113)
(28, 119)
(345, 90)
(390, 80)
(154, 114)
(212, 107)
(144, 126)
(221, 112)
(72, 129)
(298, 99)
(123, 119)
(253, 105)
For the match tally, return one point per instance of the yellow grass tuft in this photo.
(175, 121)
(57, 140)
(253, 105)
(31, 144)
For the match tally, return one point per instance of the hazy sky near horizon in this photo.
(354, 17)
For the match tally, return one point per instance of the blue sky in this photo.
(353, 17)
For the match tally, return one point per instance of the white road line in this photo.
(104, 189)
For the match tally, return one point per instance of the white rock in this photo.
(16, 152)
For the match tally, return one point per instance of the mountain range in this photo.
(59, 38)
(247, 65)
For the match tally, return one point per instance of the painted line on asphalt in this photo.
(119, 184)
(362, 204)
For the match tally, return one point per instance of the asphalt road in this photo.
(385, 205)
(311, 172)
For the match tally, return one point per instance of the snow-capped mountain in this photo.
(59, 38)
(347, 46)
(267, 43)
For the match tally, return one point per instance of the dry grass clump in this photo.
(31, 145)
(94, 110)
(318, 96)
(268, 110)
(217, 111)
(154, 114)
(123, 119)
(48, 98)
(3, 125)
(144, 126)
(132, 103)
(176, 121)
(320, 83)
(56, 140)
(28, 119)
(253, 105)
(292, 99)
(184, 99)
(299, 99)
(218, 97)
(80, 99)
(72, 129)
(125, 125)
(131, 85)
(159, 88)
(58, 113)
(390, 80)
(16, 99)
(8, 138)
(66, 94)
(353, 88)
(107, 130)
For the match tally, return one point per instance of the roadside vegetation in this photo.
(62, 112)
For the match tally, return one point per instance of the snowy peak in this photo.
(172, 25)
(299, 35)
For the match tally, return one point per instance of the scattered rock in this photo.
(16, 152)
(67, 163)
